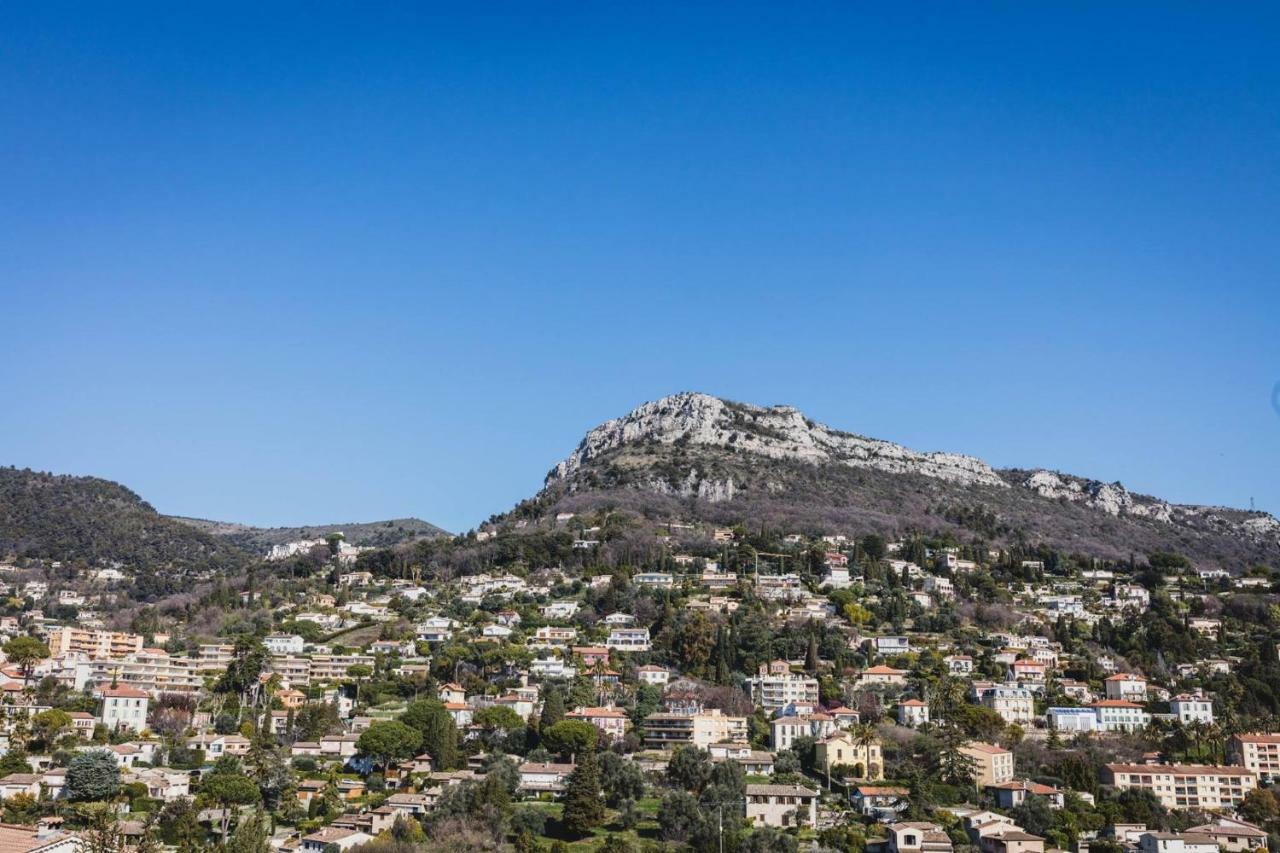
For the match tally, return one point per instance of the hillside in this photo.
(693, 455)
(377, 534)
(63, 517)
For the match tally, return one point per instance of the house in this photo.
(1010, 795)
(785, 729)
(755, 762)
(959, 664)
(842, 749)
(20, 783)
(879, 801)
(538, 776)
(342, 839)
(660, 580)
(1128, 686)
(1233, 836)
(124, 708)
(1177, 842)
(918, 837)
(629, 639)
(1013, 704)
(1190, 708)
(888, 646)
(610, 722)
(913, 713)
(559, 609)
(283, 644)
(651, 674)
(781, 805)
(886, 675)
(44, 837)
(1117, 715)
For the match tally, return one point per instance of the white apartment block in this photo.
(777, 686)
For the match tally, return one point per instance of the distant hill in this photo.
(699, 457)
(378, 534)
(60, 517)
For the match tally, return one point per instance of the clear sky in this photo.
(345, 262)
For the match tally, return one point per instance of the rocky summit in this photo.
(775, 461)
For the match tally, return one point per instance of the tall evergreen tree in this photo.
(583, 803)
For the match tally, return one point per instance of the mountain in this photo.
(718, 460)
(61, 517)
(377, 534)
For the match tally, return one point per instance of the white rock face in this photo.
(777, 432)
(782, 432)
(1111, 498)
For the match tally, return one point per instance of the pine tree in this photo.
(583, 803)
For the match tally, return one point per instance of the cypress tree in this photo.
(583, 803)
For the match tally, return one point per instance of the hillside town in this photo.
(726, 689)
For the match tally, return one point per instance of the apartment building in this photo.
(668, 731)
(334, 667)
(992, 765)
(95, 644)
(151, 670)
(1259, 753)
(1185, 786)
(777, 686)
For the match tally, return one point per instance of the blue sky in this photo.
(345, 262)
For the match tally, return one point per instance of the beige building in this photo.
(782, 805)
(992, 765)
(1257, 752)
(843, 748)
(95, 644)
(668, 731)
(1185, 786)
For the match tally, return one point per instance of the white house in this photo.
(124, 707)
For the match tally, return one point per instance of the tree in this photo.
(689, 768)
(93, 776)
(552, 709)
(571, 737)
(253, 835)
(388, 741)
(583, 806)
(1260, 806)
(680, 818)
(439, 732)
(498, 718)
(25, 652)
(225, 791)
(622, 780)
(47, 726)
